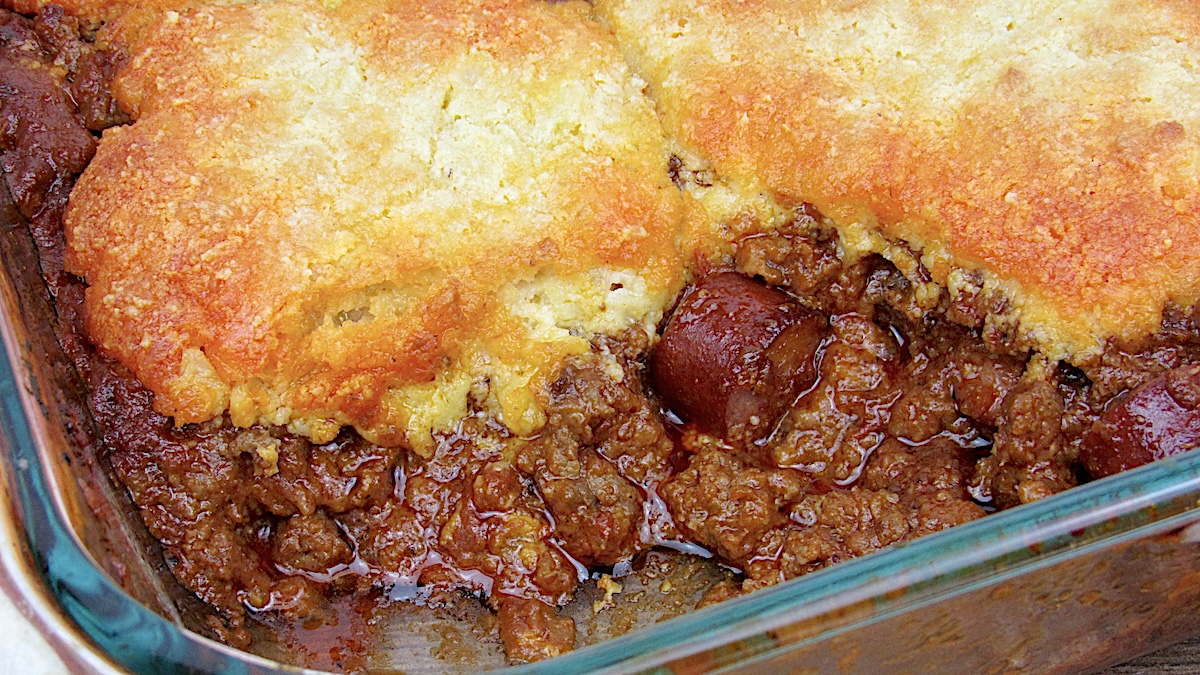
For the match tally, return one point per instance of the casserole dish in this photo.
(489, 459)
(1072, 583)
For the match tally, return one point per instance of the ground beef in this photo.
(776, 523)
(604, 444)
(930, 480)
(727, 504)
(262, 520)
(43, 140)
(531, 631)
(920, 419)
(90, 70)
(259, 519)
(905, 413)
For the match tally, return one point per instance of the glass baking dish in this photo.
(1085, 579)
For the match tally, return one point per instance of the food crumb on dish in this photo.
(610, 587)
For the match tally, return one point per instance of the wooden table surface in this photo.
(1181, 659)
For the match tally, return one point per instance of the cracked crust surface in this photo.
(365, 214)
(1050, 146)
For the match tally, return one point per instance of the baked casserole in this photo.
(401, 300)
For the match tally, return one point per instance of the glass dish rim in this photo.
(1158, 497)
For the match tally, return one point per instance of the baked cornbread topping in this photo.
(1044, 151)
(367, 214)
(404, 300)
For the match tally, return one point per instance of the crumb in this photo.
(610, 587)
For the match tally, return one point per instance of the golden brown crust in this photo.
(359, 215)
(1051, 145)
